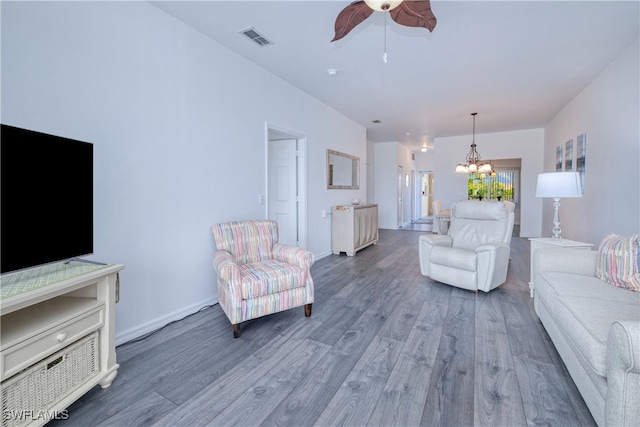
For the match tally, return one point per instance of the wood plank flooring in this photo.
(385, 346)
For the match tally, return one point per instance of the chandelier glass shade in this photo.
(473, 161)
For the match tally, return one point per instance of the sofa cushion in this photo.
(554, 285)
(586, 323)
(462, 259)
(268, 277)
(618, 261)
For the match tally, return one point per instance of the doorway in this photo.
(425, 196)
(286, 184)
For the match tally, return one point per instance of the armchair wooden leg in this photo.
(307, 310)
(236, 330)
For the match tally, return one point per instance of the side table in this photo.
(550, 242)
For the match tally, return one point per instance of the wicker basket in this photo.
(28, 395)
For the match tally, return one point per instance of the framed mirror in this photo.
(343, 171)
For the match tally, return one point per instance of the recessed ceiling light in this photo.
(376, 121)
(332, 71)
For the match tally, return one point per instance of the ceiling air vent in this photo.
(256, 37)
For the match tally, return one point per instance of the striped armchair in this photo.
(256, 274)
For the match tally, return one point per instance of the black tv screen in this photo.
(46, 198)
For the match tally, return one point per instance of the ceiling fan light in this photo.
(383, 5)
(423, 148)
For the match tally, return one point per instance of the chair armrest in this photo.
(623, 374)
(436, 239)
(293, 255)
(576, 261)
(493, 264)
(226, 267)
(425, 243)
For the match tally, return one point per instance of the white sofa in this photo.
(595, 327)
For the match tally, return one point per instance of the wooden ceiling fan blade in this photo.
(349, 17)
(415, 14)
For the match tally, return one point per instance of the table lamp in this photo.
(558, 185)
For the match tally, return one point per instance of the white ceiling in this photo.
(516, 63)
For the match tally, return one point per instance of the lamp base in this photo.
(556, 219)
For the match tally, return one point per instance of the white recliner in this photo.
(474, 255)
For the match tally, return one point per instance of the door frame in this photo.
(400, 201)
(301, 176)
(414, 213)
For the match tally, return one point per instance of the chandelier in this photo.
(473, 164)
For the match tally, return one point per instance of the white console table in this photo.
(550, 242)
(353, 227)
(57, 337)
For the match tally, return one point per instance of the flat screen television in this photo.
(46, 196)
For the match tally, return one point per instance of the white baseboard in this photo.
(323, 254)
(138, 331)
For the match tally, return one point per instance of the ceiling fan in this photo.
(416, 13)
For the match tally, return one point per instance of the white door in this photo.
(283, 204)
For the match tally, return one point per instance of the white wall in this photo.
(386, 183)
(607, 111)
(425, 161)
(370, 168)
(524, 144)
(178, 126)
(387, 157)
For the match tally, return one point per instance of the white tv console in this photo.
(57, 338)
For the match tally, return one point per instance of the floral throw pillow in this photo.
(618, 261)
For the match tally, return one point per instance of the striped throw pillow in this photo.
(618, 259)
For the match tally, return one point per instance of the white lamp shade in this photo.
(473, 168)
(383, 5)
(559, 185)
